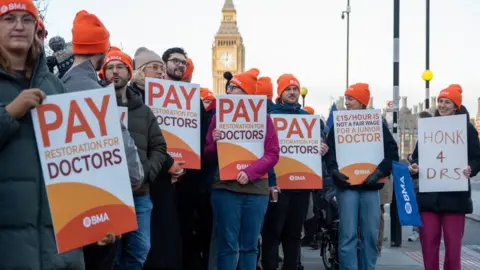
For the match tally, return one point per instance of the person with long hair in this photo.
(445, 211)
(28, 240)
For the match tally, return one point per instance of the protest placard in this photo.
(300, 163)
(123, 111)
(443, 153)
(242, 121)
(83, 162)
(176, 106)
(358, 143)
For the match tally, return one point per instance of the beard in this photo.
(172, 74)
(120, 84)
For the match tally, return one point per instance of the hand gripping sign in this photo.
(176, 106)
(300, 164)
(358, 143)
(83, 161)
(242, 121)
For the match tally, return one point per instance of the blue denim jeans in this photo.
(358, 208)
(238, 220)
(133, 248)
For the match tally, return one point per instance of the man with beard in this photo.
(133, 248)
(90, 43)
(194, 210)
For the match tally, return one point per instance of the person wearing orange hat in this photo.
(243, 200)
(133, 248)
(207, 97)
(90, 44)
(187, 77)
(359, 205)
(27, 234)
(444, 212)
(285, 218)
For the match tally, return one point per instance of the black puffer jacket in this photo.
(452, 202)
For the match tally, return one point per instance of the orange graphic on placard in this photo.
(232, 159)
(83, 214)
(293, 174)
(183, 151)
(357, 173)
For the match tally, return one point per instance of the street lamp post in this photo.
(347, 12)
(303, 93)
(427, 56)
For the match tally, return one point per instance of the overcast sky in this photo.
(306, 38)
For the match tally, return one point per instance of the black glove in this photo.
(340, 179)
(373, 178)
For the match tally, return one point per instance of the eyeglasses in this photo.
(155, 67)
(11, 21)
(177, 62)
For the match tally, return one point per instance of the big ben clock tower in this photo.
(228, 51)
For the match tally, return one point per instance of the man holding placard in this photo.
(447, 155)
(360, 155)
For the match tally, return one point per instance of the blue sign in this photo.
(406, 202)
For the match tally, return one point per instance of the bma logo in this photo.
(406, 198)
(361, 172)
(242, 166)
(94, 220)
(114, 57)
(12, 6)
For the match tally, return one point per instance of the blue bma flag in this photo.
(329, 123)
(406, 201)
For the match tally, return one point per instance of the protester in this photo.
(148, 64)
(359, 204)
(207, 97)
(239, 205)
(285, 218)
(89, 54)
(28, 239)
(445, 211)
(133, 248)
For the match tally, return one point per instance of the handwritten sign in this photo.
(442, 151)
(176, 105)
(83, 162)
(358, 132)
(241, 119)
(300, 161)
(123, 111)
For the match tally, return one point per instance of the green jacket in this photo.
(27, 240)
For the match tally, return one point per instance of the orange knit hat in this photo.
(7, 6)
(360, 92)
(452, 92)
(285, 81)
(89, 35)
(247, 81)
(309, 109)
(189, 70)
(206, 94)
(115, 54)
(265, 87)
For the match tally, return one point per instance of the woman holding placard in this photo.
(28, 240)
(445, 211)
(239, 205)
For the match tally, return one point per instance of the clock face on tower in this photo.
(226, 59)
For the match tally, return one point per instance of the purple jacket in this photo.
(262, 166)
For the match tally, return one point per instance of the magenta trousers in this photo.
(453, 226)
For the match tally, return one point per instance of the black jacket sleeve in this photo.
(473, 145)
(390, 149)
(157, 149)
(331, 156)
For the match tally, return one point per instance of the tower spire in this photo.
(228, 5)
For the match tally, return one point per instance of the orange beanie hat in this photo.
(247, 81)
(265, 87)
(285, 81)
(452, 92)
(206, 94)
(115, 54)
(7, 6)
(89, 35)
(309, 109)
(189, 70)
(360, 92)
